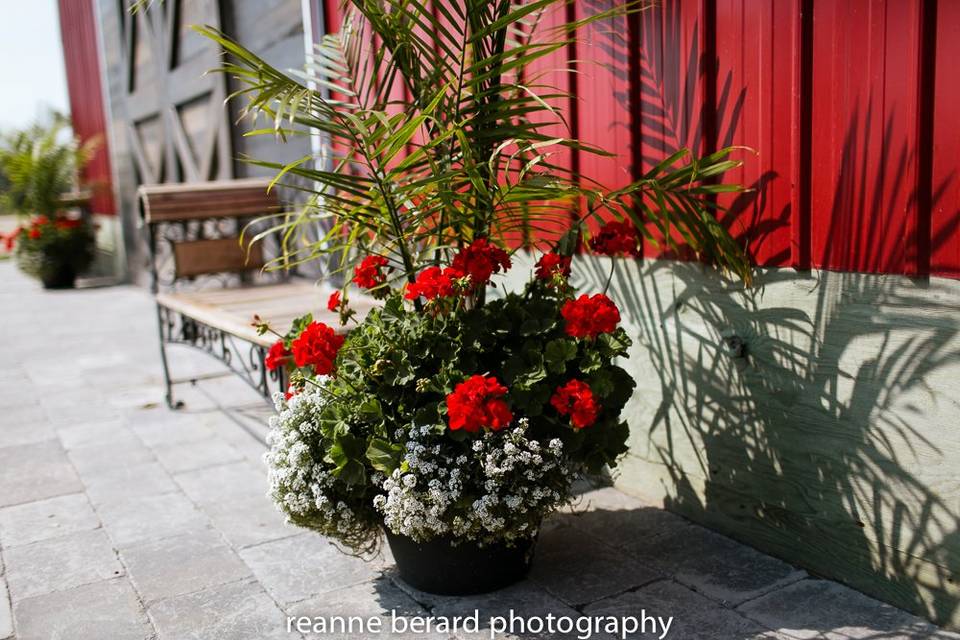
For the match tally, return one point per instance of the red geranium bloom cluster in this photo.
(333, 302)
(480, 260)
(317, 346)
(576, 400)
(11, 238)
(588, 316)
(477, 403)
(276, 356)
(369, 273)
(434, 282)
(552, 263)
(616, 238)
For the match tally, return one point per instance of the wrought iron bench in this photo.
(208, 287)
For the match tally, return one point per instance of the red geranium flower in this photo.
(276, 356)
(333, 302)
(317, 347)
(616, 238)
(589, 316)
(11, 238)
(34, 233)
(480, 260)
(368, 274)
(553, 263)
(434, 282)
(476, 403)
(576, 400)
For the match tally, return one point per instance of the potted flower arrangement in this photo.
(39, 165)
(53, 249)
(454, 417)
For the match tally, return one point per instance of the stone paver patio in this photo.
(121, 519)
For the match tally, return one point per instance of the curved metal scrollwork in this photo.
(243, 358)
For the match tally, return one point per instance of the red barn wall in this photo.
(78, 32)
(849, 107)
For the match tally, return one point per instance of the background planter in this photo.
(441, 567)
(59, 276)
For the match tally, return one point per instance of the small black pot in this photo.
(441, 567)
(62, 276)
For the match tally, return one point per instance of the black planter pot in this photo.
(438, 566)
(61, 277)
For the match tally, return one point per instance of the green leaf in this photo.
(558, 353)
(384, 456)
(591, 361)
(347, 455)
(371, 409)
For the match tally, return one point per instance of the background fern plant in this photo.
(39, 164)
(435, 137)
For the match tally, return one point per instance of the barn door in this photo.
(177, 123)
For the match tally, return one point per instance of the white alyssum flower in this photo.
(299, 485)
(499, 492)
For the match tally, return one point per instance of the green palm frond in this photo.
(438, 135)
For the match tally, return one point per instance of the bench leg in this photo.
(166, 367)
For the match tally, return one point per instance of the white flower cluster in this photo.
(501, 491)
(301, 486)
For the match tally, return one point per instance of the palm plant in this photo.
(432, 117)
(39, 164)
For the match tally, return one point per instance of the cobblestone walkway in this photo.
(120, 519)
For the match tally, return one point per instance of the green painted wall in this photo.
(833, 442)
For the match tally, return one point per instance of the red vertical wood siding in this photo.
(849, 109)
(945, 179)
(78, 32)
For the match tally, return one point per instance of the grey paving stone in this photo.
(620, 520)
(33, 521)
(93, 433)
(714, 565)
(116, 484)
(161, 426)
(232, 482)
(16, 432)
(249, 521)
(6, 612)
(60, 563)
(98, 611)
(296, 568)
(182, 564)
(579, 568)
(238, 611)
(35, 471)
(74, 406)
(379, 598)
(508, 613)
(824, 609)
(187, 456)
(125, 452)
(141, 519)
(670, 610)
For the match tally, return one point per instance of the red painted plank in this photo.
(604, 114)
(672, 115)
(864, 123)
(546, 76)
(757, 107)
(78, 33)
(945, 219)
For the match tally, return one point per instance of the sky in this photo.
(31, 62)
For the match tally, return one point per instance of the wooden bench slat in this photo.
(218, 255)
(232, 310)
